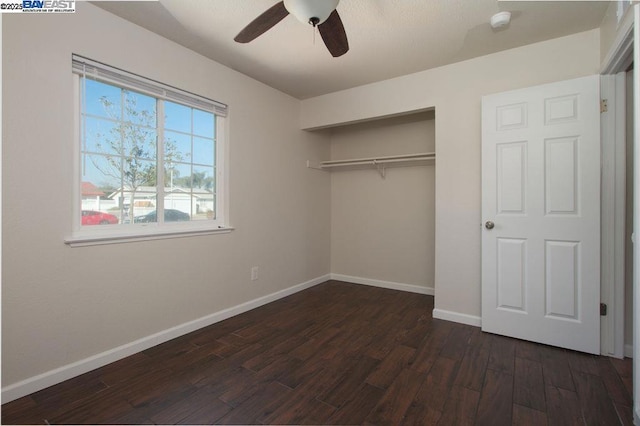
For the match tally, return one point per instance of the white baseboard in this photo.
(437, 313)
(457, 317)
(50, 378)
(384, 284)
(628, 351)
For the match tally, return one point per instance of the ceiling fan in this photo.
(317, 13)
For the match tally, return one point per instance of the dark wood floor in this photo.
(341, 353)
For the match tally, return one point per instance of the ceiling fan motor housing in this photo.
(313, 12)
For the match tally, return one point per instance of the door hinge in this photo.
(603, 309)
(604, 106)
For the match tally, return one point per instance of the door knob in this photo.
(489, 225)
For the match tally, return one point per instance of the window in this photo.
(151, 157)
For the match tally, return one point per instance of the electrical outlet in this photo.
(254, 273)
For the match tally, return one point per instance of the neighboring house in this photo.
(93, 198)
(90, 191)
(193, 201)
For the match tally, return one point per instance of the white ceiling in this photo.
(387, 38)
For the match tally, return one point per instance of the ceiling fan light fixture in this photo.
(313, 12)
(321, 14)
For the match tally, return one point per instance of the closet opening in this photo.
(383, 212)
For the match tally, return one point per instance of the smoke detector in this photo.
(500, 20)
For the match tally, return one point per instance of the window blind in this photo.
(95, 70)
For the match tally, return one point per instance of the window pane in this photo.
(203, 151)
(178, 175)
(176, 214)
(177, 207)
(102, 171)
(96, 190)
(203, 123)
(177, 117)
(177, 146)
(177, 194)
(203, 186)
(140, 109)
(138, 174)
(101, 136)
(98, 214)
(203, 178)
(102, 99)
(141, 204)
(123, 180)
(139, 142)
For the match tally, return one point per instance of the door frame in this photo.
(612, 213)
(618, 59)
(636, 215)
(626, 47)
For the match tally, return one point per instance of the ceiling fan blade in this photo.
(334, 36)
(262, 23)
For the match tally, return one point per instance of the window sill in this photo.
(94, 239)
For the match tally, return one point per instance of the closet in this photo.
(383, 201)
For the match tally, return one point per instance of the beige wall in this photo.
(455, 91)
(62, 304)
(608, 30)
(383, 229)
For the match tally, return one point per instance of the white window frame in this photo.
(109, 234)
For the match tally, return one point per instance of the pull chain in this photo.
(314, 23)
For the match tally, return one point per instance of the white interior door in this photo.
(541, 214)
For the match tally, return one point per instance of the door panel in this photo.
(561, 177)
(511, 169)
(561, 279)
(511, 277)
(541, 189)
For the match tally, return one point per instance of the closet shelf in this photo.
(379, 163)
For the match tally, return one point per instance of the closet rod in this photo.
(374, 162)
(379, 160)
